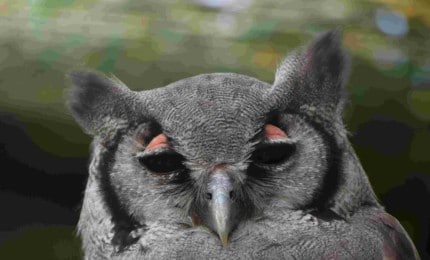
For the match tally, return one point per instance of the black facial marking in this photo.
(123, 223)
(331, 180)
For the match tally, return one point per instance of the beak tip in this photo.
(224, 239)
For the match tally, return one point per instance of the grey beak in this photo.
(221, 206)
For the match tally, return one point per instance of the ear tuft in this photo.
(327, 58)
(315, 78)
(99, 104)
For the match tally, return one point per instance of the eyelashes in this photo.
(275, 147)
(272, 153)
(163, 162)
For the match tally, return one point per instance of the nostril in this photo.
(208, 195)
(231, 194)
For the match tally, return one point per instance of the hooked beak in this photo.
(221, 212)
(220, 208)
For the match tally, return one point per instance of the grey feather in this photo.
(310, 199)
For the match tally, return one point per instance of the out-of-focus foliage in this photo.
(150, 43)
(52, 242)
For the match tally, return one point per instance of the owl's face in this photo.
(218, 150)
(210, 156)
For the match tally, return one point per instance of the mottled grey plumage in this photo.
(315, 203)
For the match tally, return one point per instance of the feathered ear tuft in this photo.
(98, 103)
(312, 82)
(314, 79)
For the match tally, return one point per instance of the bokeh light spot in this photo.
(391, 22)
(421, 77)
(266, 58)
(48, 57)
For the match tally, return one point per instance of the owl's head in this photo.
(221, 149)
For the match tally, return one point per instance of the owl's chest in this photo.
(305, 238)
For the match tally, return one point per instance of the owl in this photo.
(225, 166)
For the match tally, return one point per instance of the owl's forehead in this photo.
(217, 88)
(213, 115)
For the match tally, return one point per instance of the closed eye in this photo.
(272, 153)
(163, 162)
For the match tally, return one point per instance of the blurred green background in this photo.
(151, 43)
